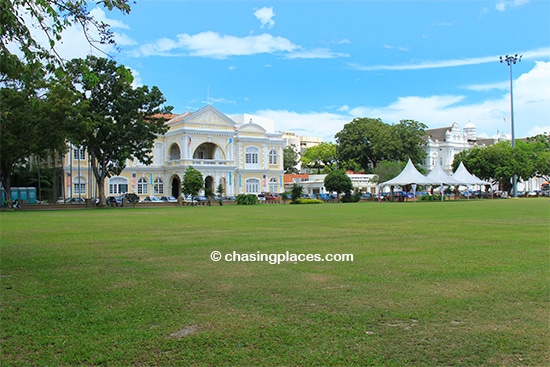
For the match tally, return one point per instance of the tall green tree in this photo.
(369, 141)
(411, 136)
(290, 159)
(36, 116)
(541, 155)
(192, 182)
(320, 156)
(121, 121)
(338, 182)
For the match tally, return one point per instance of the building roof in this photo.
(437, 134)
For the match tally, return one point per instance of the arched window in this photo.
(175, 152)
(158, 186)
(142, 186)
(118, 185)
(272, 156)
(273, 184)
(252, 186)
(252, 158)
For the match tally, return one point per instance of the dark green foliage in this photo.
(296, 192)
(121, 121)
(247, 199)
(290, 159)
(369, 141)
(351, 198)
(321, 156)
(338, 182)
(192, 182)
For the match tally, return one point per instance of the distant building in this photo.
(315, 184)
(442, 144)
(242, 157)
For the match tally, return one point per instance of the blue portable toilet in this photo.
(23, 197)
(3, 197)
(31, 195)
(14, 193)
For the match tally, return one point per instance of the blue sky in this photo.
(313, 66)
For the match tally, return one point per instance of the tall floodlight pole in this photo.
(511, 60)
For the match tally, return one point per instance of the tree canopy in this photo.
(192, 182)
(320, 156)
(499, 162)
(369, 141)
(290, 159)
(121, 121)
(36, 116)
(51, 17)
(339, 182)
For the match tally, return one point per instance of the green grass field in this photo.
(432, 284)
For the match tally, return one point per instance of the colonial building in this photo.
(241, 157)
(442, 144)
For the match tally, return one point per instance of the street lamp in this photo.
(511, 60)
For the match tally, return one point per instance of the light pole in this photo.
(511, 60)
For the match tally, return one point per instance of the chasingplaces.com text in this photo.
(278, 258)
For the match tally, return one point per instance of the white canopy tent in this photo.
(438, 175)
(466, 178)
(408, 176)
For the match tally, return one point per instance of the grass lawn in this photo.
(452, 284)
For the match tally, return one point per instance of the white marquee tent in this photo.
(466, 178)
(410, 176)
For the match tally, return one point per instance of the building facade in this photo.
(241, 157)
(442, 144)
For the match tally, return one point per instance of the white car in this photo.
(169, 199)
(153, 199)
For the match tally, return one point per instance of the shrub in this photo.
(351, 198)
(246, 199)
(308, 201)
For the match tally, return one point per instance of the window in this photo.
(252, 157)
(79, 154)
(175, 152)
(273, 184)
(79, 185)
(253, 186)
(142, 186)
(272, 156)
(158, 186)
(118, 185)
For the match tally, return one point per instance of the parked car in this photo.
(170, 199)
(152, 199)
(271, 197)
(131, 198)
(261, 197)
(114, 200)
(76, 200)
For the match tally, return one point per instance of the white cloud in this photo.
(265, 16)
(74, 44)
(489, 86)
(501, 5)
(318, 124)
(541, 53)
(531, 101)
(318, 53)
(398, 48)
(212, 44)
